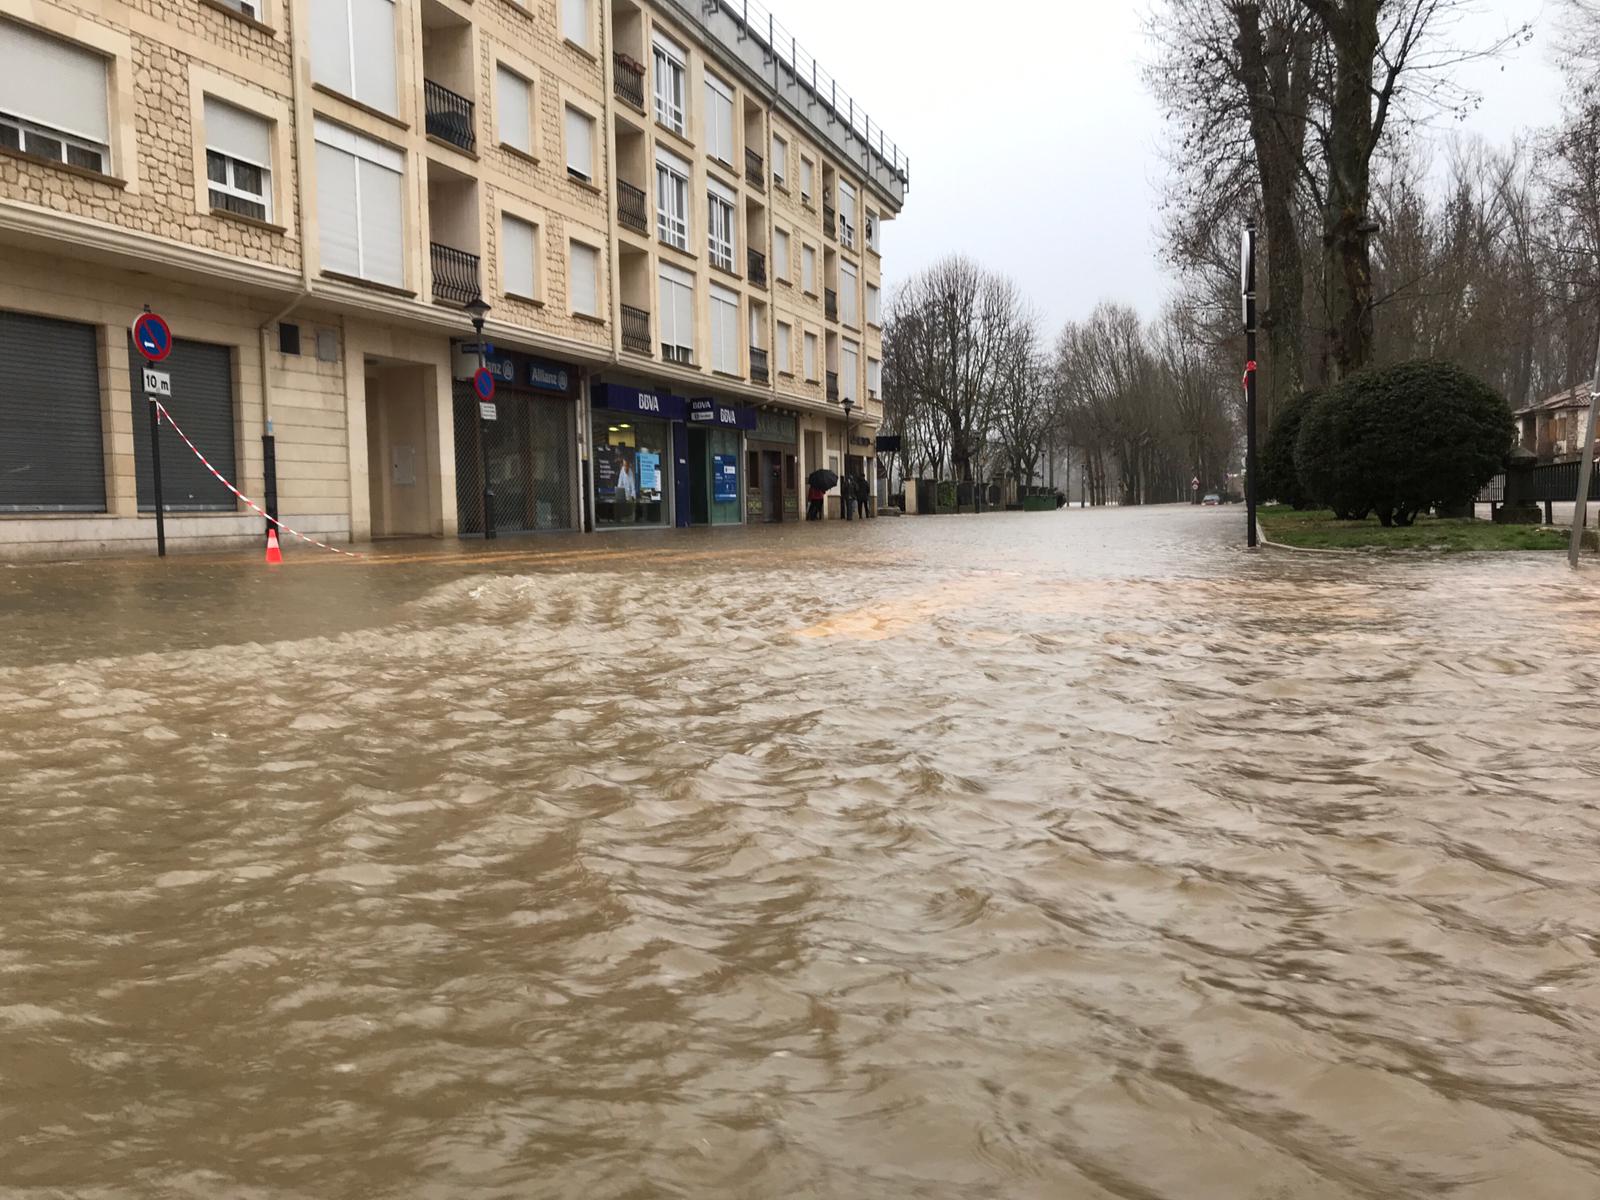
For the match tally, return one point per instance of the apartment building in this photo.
(665, 216)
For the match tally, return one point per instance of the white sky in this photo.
(1046, 165)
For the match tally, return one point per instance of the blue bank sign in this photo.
(706, 411)
(522, 370)
(624, 398)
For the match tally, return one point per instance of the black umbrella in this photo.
(822, 479)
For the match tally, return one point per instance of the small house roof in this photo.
(1577, 397)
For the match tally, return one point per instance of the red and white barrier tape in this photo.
(161, 410)
(1249, 370)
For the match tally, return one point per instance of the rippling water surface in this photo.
(1073, 855)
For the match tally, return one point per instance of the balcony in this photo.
(758, 365)
(635, 330)
(628, 79)
(757, 263)
(755, 168)
(830, 302)
(830, 220)
(455, 274)
(833, 386)
(449, 116)
(632, 210)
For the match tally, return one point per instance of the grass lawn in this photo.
(1319, 529)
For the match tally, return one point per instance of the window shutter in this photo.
(719, 119)
(518, 248)
(808, 268)
(372, 25)
(683, 305)
(54, 83)
(330, 45)
(202, 403)
(575, 21)
(336, 210)
(666, 314)
(780, 157)
(780, 253)
(782, 347)
(382, 224)
(580, 143)
(51, 453)
(584, 265)
(237, 133)
(848, 289)
(513, 102)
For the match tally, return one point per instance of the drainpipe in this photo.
(269, 446)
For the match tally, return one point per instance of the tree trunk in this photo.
(1347, 264)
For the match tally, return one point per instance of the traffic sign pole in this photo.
(155, 467)
(152, 337)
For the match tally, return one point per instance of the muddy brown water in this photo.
(1022, 856)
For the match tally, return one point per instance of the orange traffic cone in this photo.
(274, 554)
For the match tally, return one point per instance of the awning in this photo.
(625, 398)
(705, 410)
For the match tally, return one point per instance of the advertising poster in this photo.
(649, 479)
(724, 478)
(615, 475)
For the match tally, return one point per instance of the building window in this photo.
(873, 226)
(849, 368)
(51, 450)
(808, 270)
(53, 99)
(360, 205)
(353, 50)
(670, 83)
(580, 145)
(519, 257)
(719, 119)
(780, 253)
(672, 199)
(249, 8)
(719, 205)
(583, 268)
(807, 178)
(676, 316)
(811, 357)
(513, 109)
(575, 22)
(874, 305)
(849, 289)
(847, 215)
(781, 350)
(780, 159)
(238, 160)
(724, 331)
(874, 378)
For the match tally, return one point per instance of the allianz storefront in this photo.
(529, 449)
(661, 460)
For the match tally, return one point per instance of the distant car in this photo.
(1211, 500)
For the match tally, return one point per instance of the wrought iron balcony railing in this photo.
(830, 220)
(628, 79)
(449, 115)
(830, 303)
(757, 263)
(758, 365)
(455, 274)
(755, 168)
(635, 330)
(631, 207)
(833, 386)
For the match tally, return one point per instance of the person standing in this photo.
(813, 502)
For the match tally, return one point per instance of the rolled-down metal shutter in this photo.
(202, 403)
(51, 457)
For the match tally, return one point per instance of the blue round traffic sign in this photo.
(152, 337)
(483, 384)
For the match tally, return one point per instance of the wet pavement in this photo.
(1015, 856)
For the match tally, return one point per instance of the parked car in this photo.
(1211, 500)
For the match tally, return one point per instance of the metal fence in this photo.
(1547, 482)
(529, 451)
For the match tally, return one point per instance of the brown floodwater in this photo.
(1018, 856)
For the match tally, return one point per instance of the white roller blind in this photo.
(780, 253)
(811, 355)
(580, 143)
(849, 289)
(683, 314)
(513, 102)
(237, 133)
(783, 347)
(518, 242)
(585, 269)
(336, 210)
(780, 157)
(676, 295)
(720, 190)
(331, 65)
(805, 177)
(372, 38)
(719, 119)
(849, 367)
(724, 330)
(54, 83)
(382, 224)
(575, 20)
(808, 268)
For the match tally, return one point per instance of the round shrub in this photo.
(1397, 440)
(1280, 480)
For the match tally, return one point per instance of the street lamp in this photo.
(848, 488)
(478, 310)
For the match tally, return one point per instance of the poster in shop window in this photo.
(724, 478)
(649, 481)
(615, 474)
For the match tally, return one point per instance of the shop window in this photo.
(632, 470)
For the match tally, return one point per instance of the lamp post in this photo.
(478, 310)
(1247, 286)
(847, 488)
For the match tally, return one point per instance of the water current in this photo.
(1019, 856)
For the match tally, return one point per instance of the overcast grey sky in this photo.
(1047, 166)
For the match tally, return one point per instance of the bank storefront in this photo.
(772, 468)
(529, 448)
(660, 460)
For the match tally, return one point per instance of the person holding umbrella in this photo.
(817, 485)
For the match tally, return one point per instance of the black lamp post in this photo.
(847, 490)
(478, 310)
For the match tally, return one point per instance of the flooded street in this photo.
(1022, 856)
